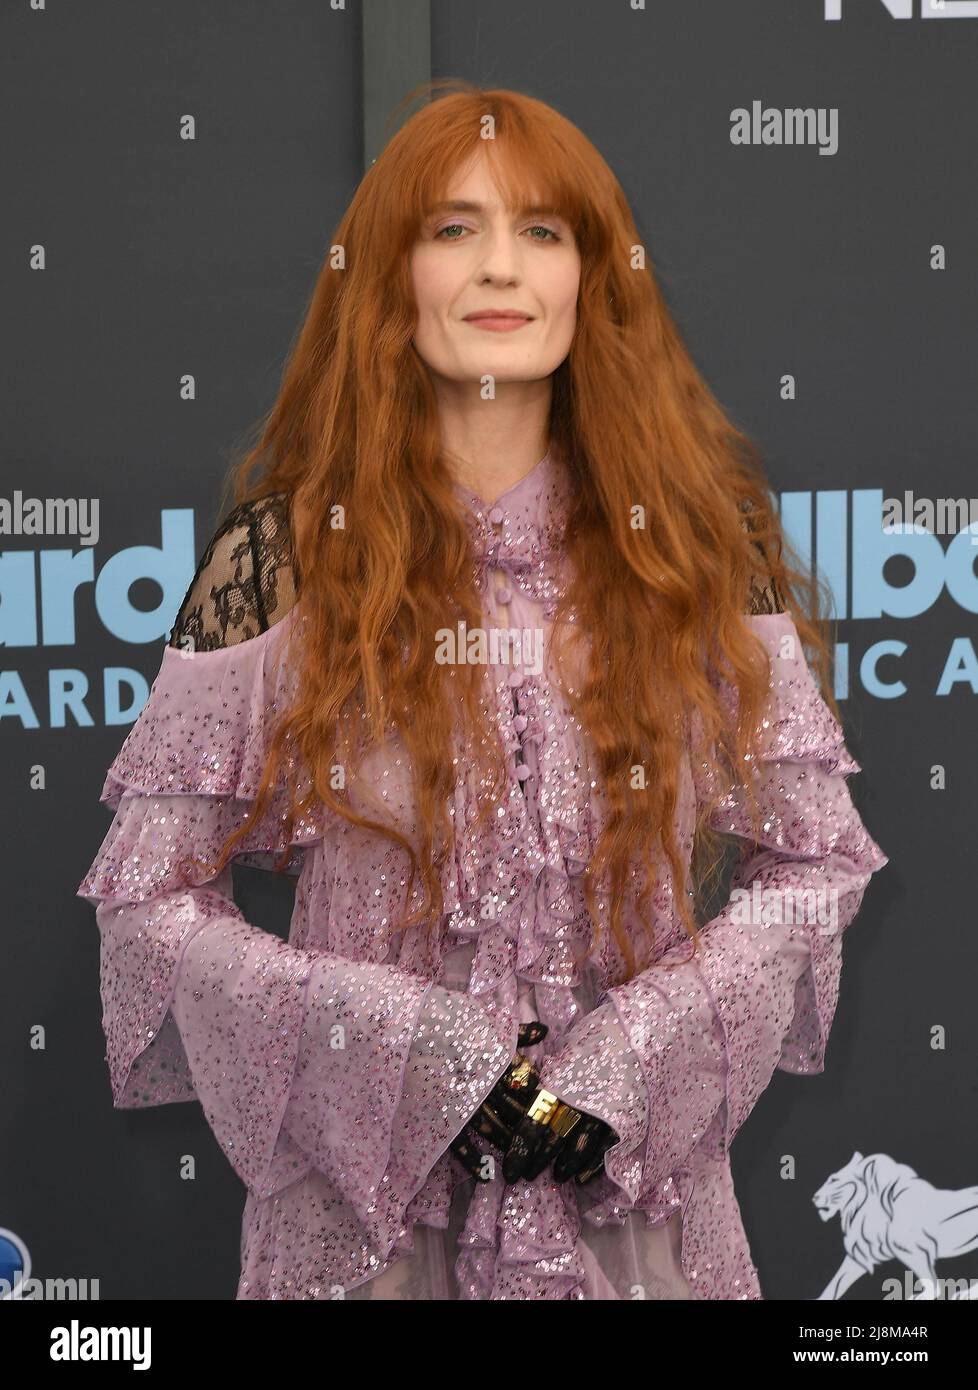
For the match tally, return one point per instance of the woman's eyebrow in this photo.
(460, 206)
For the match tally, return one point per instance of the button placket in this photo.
(502, 598)
(523, 770)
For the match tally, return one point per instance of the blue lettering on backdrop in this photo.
(45, 589)
(818, 527)
(873, 596)
(63, 573)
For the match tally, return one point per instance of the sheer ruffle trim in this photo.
(300, 1059)
(161, 844)
(809, 817)
(206, 725)
(386, 1149)
(203, 736)
(798, 725)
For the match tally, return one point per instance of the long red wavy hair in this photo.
(661, 610)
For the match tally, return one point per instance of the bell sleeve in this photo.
(300, 1058)
(680, 1054)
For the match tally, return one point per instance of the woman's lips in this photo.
(499, 325)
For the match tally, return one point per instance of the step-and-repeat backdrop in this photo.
(803, 176)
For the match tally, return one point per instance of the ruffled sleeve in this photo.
(300, 1058)
(679, 1055)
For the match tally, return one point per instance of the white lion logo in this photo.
(888, 1213)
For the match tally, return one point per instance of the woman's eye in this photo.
(457, 227)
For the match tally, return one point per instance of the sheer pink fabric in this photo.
(335, 1069)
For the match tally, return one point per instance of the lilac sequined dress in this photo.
(336, 1069)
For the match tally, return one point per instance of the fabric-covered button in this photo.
(496, 515)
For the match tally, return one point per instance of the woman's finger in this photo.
(589, 1174)
(532, 1033)
(535, 1143)
(529, 1151)
(510, 1098)
(493, 1125)
(583, 1149)
(509, 1107)
(471, 1156)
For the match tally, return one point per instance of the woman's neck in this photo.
(490, 445)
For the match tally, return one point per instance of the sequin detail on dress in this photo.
(336, 1068)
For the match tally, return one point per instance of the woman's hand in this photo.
(552, 1131)
(499, 1115)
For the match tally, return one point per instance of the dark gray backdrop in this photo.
(166, 257)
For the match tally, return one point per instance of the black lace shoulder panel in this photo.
(765, 597)
(245, 581)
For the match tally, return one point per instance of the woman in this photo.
(499, 1056)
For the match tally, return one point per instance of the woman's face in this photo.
(480, 257)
